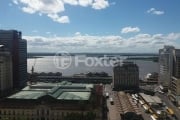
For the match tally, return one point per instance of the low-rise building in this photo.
(127, 109)
(151, 78)
(50, 101)
(154, 105)
(175, 90)
(151, 100)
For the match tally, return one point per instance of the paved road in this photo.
(170, 104)
(113, 113)
(144, 115)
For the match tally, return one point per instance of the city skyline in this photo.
(93, 26)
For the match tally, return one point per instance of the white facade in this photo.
(169, 70)
(175, 80)
(165, 65)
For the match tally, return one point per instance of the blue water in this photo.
(46, 64)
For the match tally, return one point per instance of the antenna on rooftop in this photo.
(32, 76)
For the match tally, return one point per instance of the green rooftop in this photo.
(60, 91)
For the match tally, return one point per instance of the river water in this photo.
(46, 64)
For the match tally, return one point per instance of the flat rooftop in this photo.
(151, 99)
(59, 91)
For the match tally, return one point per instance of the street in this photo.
(113, 113)
(169, 104)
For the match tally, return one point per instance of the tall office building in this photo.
(6, 82)
(17, 46)
(175, 80)
(169, 71)
(165, 65)
(126, 76)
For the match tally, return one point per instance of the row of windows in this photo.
(59, 116)
(27, 118)
(35, 113)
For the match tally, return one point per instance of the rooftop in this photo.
(126, 104)
(60, 91)
(151, 99)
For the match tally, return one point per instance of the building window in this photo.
(13, 112)
(9, 112)
(4, 112)
(42, 112)
(47, 112)
(37, 112)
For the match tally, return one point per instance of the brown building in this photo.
(126, 76)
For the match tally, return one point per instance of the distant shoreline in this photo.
(154, 59)
(96, 54)
(34, 57)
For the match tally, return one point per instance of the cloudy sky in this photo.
(94, 25)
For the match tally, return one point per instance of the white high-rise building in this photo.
(6, 82)
(169, 71)
(175, 80)
(165, 65)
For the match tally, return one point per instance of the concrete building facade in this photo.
(165, 65)
(12, 40)
(126, 76)
(169, 71)
(175, 90)
(6, 82)
(53, 101)
(175, 79)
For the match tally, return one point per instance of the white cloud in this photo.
(130, 29)
(77, 34)
(100, 4)
(71, 2)
(173, 36)
(85, 3)
(60, 19)
(87, 43)
(15, 2)
(51, 8)
(54, 8)
(155, 12)
(28, 10)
